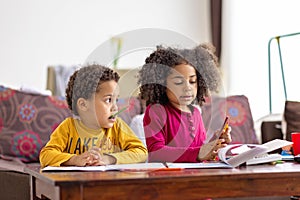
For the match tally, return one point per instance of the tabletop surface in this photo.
(56, 178)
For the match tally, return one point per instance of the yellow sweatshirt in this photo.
(73, 137)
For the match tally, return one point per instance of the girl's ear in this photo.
(82, 104)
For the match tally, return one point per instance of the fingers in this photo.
(226, 135)
(95, 153)
(95, 157)
(213, 155)
(220, 144)
(95, 163)
(224, 139)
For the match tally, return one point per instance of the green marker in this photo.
(114, 115)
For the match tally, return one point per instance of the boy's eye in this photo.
(108, 100)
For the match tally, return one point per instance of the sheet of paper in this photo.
(74, 168)
(203, 165)
(120, 167)
(276, 144)
(137, 166)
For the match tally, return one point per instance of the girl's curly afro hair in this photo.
(85, 82)
(153, 74)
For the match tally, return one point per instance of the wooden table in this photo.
(259, 180)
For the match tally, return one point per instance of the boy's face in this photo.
(182, 86)
(103, 104)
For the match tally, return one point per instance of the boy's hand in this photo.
(98, 158)
(78, 160)
(93, 157)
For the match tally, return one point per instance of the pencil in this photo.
(169, 169)
(114, 115)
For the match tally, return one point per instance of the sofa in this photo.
(26, 122)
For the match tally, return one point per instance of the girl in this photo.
(93, 136)
(172, 82)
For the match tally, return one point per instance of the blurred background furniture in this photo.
(238, 109)
(280, 125)
(58, 77)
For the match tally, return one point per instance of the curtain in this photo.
(216, 24)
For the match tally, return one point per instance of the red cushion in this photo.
(26, 122)
(238, 109)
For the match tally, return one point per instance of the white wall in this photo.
(248, 26)
(35, 34)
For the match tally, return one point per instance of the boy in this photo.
(93, 136)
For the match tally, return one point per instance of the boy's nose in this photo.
(114, 107)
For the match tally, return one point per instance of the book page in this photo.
(119, 167)
(250, 151)
(264, 158)
(203, 165)
(73, 168)
(242, 157)
(247, 155)
(276, 144)
(223, 151)
(136, 166)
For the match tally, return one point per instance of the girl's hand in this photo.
(210, 150)
(226, 135)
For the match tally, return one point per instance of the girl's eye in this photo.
(193, 82)
(178, 82)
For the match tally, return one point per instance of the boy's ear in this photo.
(82, 104)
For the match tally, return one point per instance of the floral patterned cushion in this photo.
(238, 109)
(26, 122)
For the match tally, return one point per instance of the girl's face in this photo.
(102, 105)
(182, 86)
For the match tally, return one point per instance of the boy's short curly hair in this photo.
(84, 82)
(153, 74)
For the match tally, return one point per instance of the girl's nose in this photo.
(187, 87)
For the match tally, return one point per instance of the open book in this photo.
(234, 155)
(119, 167)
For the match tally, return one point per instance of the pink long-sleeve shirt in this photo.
(173, 135)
